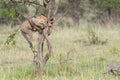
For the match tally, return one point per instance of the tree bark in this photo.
(74, 11)
(39, 60)
(48, 55)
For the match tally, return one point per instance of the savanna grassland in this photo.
(78, 54)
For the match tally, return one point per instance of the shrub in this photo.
(11, 38)
(93, 38)
(114, 50)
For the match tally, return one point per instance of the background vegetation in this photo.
(101, 11)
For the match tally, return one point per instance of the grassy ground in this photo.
(74, 56)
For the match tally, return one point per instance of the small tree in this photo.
(49, 9)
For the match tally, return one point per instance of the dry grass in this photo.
(73, 57)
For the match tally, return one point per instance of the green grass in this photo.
(73, 58)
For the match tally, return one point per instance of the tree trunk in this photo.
(74, 11)
(48, 55)
(39, 60)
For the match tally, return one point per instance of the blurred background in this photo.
(93, 11)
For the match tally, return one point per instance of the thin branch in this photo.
(35, 2)
(66, 11)
(25, 9)
(57, 7)
(48, 55)
(14, 1)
